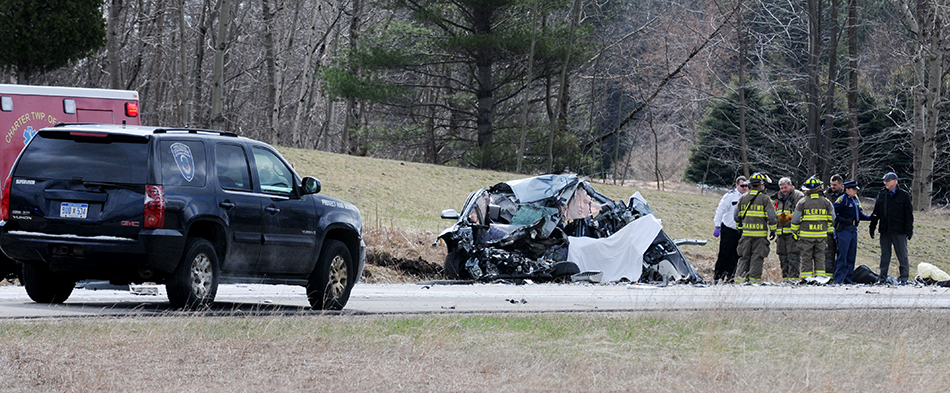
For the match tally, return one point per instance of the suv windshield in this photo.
(89, 159)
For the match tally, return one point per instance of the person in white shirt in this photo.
(727, 232)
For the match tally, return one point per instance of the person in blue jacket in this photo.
(848, 213)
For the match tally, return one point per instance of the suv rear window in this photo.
(102, 159)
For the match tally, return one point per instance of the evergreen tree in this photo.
(454, 67)
(39, 36)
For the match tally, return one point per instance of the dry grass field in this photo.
(720, 350)
(736, 351)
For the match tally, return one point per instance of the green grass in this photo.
(399, 194)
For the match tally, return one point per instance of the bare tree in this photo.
(928, 21)
(221, 46)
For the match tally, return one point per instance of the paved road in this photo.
(436, 298)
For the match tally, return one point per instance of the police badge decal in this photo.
(186, 163)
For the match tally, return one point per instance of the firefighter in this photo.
(847, 215)
(785, 243)
(834, 191)
(755, 217)
(814, 215)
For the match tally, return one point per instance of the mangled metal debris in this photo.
(928, 274)
(556, 226)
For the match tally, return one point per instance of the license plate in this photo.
(73, 210)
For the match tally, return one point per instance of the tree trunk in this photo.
(112, 34)
(485, 88)
(184, 107)
(560, 122)
(350, 137)
(197, 112)
(929, 68)
(270, 64)
(221, 46)
(157, 79)
(925, 132)
(829, 109)
(814, 100)
(528, 79)
(315, 49)
(854, 142)
(743, 141)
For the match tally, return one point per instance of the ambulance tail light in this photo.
(131, 109)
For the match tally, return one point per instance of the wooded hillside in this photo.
(698, 89)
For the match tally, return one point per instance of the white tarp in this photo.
(618, 256)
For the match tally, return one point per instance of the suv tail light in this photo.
(154, 207)
(5, 200)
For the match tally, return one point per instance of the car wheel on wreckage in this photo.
(454, 267)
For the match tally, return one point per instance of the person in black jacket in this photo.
(895, 213)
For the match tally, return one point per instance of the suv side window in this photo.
(183, 163)
(233, 171)
(275, 177)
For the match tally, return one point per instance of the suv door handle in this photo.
(227, 205)
(272, 209)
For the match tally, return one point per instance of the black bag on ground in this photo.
(864, 275)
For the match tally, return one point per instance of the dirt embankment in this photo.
(397, 255)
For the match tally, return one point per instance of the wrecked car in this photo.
(555, 228)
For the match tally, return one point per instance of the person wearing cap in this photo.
(785, 242)
(847, 215)
(814, 215)
(834, 191)
(895, 213)
(755, 217)
(725, 224)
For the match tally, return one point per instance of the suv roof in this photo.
(136, 130)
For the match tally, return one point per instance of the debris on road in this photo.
(554, 227)
(928, 274)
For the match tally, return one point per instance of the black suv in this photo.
(184, 207)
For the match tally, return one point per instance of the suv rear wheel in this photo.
(194, 283)
(331, 281)
(45, 286)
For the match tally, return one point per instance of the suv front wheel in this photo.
(194, 283)
(331, 281)
(45, 286)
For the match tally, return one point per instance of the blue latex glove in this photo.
(716, 232)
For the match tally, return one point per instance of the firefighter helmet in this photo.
(759, 178)
(811, 184)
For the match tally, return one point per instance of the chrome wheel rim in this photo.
(202, 275)
(338, 276)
